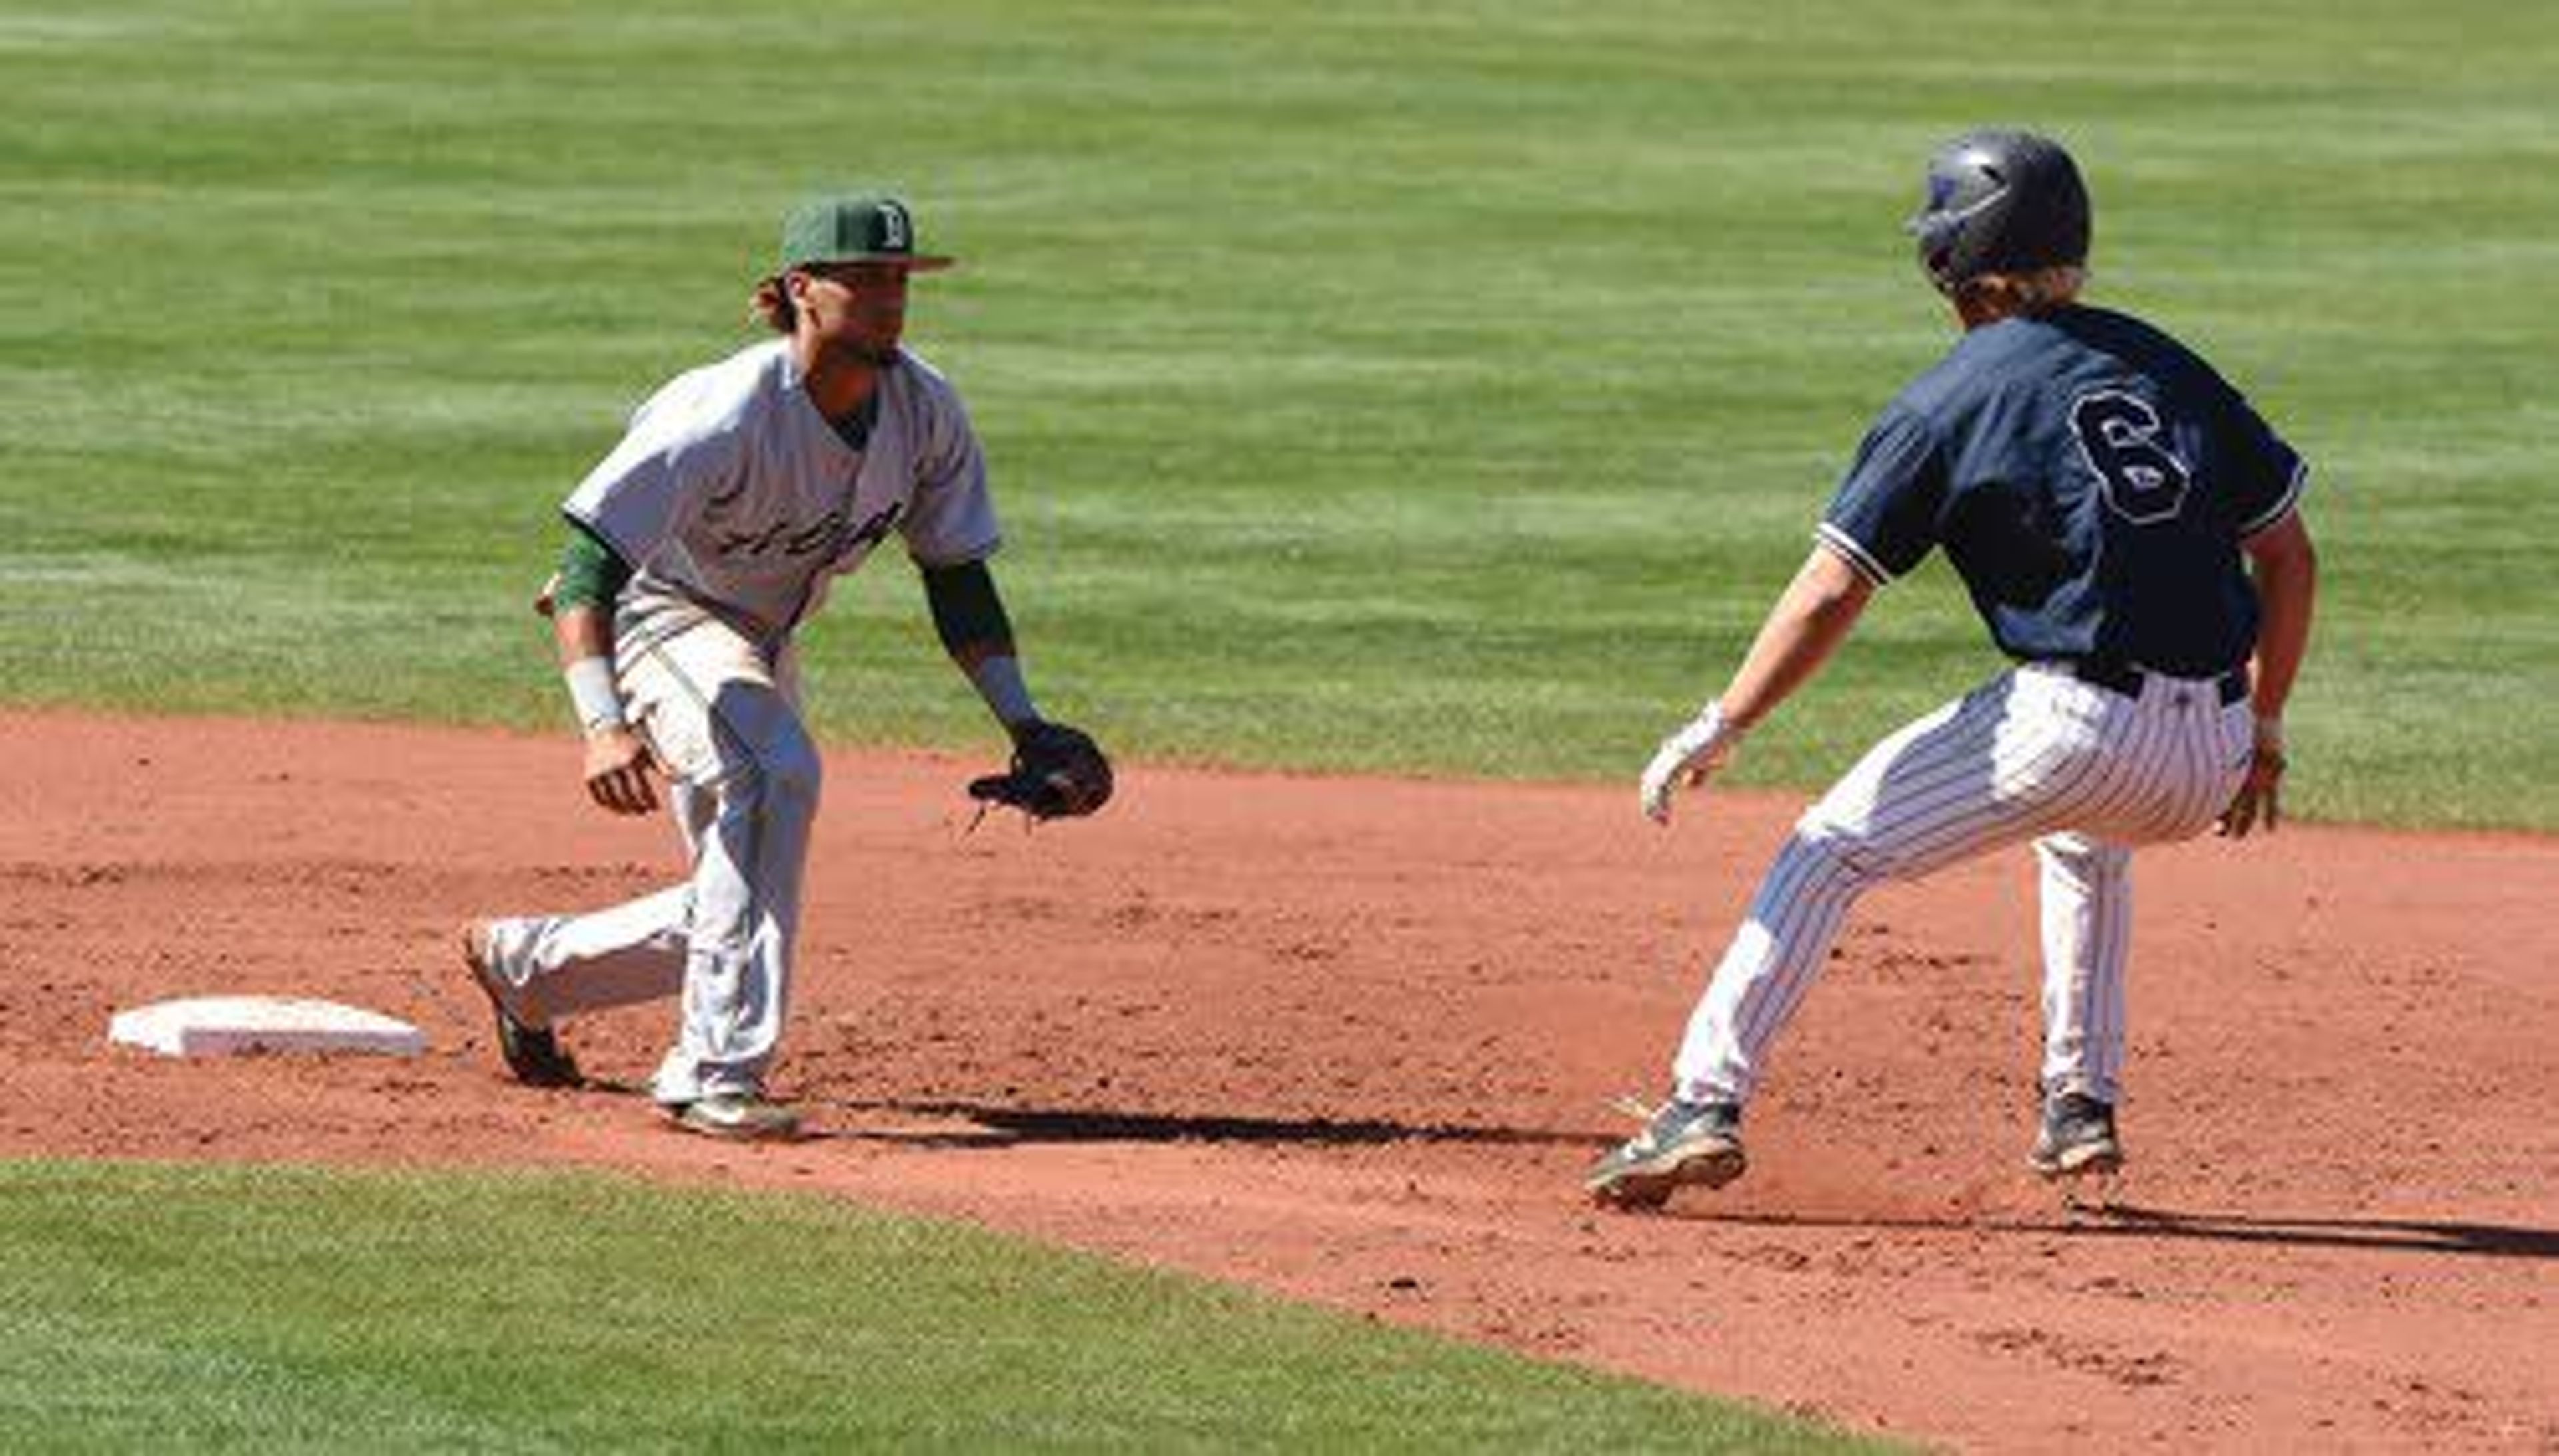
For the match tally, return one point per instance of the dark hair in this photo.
(772, 304)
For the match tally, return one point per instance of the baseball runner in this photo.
(2098, 487)
(695, 549)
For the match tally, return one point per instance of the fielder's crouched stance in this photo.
(2096, 485)
(696, 549)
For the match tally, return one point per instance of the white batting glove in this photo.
(1686, 759)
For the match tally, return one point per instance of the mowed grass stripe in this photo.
(292, 1308)
(1442, 389)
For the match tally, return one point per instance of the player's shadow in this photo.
(966, 1124)
(2137, 1220)
(993, 1127)
(2407, 1236)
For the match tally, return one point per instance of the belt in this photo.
(2127, 679)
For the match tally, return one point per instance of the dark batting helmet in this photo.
(2000, 202)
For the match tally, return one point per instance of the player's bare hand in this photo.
(618, 766)
(1686, 760)
(2260, 797)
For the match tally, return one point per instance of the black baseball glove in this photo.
(1058, 773)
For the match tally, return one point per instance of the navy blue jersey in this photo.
(2090, 480)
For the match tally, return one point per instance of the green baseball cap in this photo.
(872, 227)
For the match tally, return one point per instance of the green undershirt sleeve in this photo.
(967, 612)
(590, 574)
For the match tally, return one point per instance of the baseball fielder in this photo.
(695, 550)
(2098, 487)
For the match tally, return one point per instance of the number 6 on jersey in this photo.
(2120, 437)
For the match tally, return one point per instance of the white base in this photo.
(222, 1026)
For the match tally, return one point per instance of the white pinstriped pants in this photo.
(743, 781)
(2084, 771)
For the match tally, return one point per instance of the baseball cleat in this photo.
(1683, 1143)
(736, 1117)
(2078, 1137)
(533, 1054)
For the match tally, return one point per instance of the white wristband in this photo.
(591, 692)
(1710, 735)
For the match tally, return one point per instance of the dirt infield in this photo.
(1351, 1040)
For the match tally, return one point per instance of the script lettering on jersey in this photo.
(838, 542)
(2125, 442)
(833, 534)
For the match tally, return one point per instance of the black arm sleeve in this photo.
(967, 612)
(590, 573)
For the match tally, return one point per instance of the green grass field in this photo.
(1439, 388)
(283, 1309)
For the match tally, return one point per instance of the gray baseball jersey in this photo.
(730, 490)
